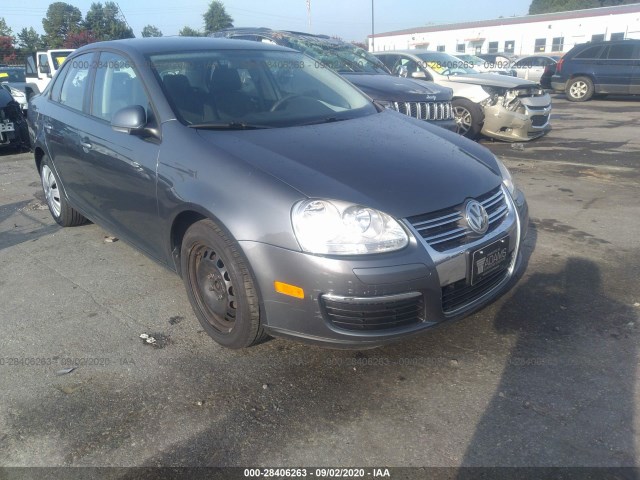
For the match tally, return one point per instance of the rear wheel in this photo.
(220, 287)
(468, 116)
(579, 89)
(61, 211)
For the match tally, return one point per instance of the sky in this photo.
(348, 19)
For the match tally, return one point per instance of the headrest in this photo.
(225, 79)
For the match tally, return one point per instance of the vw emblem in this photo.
(476, 217)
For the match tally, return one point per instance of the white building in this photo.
(549, 33)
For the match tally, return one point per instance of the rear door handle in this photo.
(86, 145)
(48, 127)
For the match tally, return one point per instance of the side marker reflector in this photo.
(290, 290)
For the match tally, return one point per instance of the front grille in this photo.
(374, 314)
(426, 110)
(447, 229)
(460, 293)
(539, 120)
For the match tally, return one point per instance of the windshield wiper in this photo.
(323, 120)
(228, 126)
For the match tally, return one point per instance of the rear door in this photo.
(616, 68)
(634, 84)
(63, 122)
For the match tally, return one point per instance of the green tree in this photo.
(5, 30)
(189, 32)
(29, 41)
(216, 18)
(151, 31)
(550, 6)
(61, 19)
(104, 22)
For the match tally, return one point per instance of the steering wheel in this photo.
(276, 106)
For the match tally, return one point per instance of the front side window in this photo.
(116, 86)
(541, 44)
(75, 82)
(255, 87)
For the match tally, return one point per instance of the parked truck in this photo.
(40, 68)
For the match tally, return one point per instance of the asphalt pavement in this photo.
(545, 376)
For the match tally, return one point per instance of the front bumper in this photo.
(527, 123)
(413, 278)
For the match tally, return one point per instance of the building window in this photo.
(558, 44)
(478, 49)
(617, 36)
(597, 38)
(493, 47)
(541, 45)
(441, 48)
(509, 46)
(460, 48)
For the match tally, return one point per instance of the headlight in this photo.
(386, 104)
(16, 93)
(507, 179)
(341, 228)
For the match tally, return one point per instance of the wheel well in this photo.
(180, 226)
(38, 154)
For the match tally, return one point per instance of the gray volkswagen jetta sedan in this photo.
(289, 202)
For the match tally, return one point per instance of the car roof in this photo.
(155, 45)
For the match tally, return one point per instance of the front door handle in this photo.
(86, 145)
(48, 127)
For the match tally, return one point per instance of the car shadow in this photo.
(26, 226)
(566, 394)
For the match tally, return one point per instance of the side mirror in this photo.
(130, 120)
(418, 74)
(45, 69)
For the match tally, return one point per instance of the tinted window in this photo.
(57, 84)
(622, 51)
(76, 82)
(116, 86)
(590, 52)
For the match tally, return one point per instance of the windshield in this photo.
(445, 64)
(338, 55)
(12, 75)
(255, 88)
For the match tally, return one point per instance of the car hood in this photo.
(386, 161)
(492, 80)
(395, 89)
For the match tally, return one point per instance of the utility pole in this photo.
(373, 40)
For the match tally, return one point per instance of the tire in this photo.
(579, 89)
(469, 118)
(220, 287)
(61, 211)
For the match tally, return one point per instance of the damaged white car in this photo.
(497, 106)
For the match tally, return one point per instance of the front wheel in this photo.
(61, 211)
(220, 287)
(469, 118)
(579, 89)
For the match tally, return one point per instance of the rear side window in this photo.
(590, 52)
(622, 51)
(76, 81)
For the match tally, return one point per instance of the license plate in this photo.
(489, 259)
(6, 127)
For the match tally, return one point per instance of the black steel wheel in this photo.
(220, 287)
